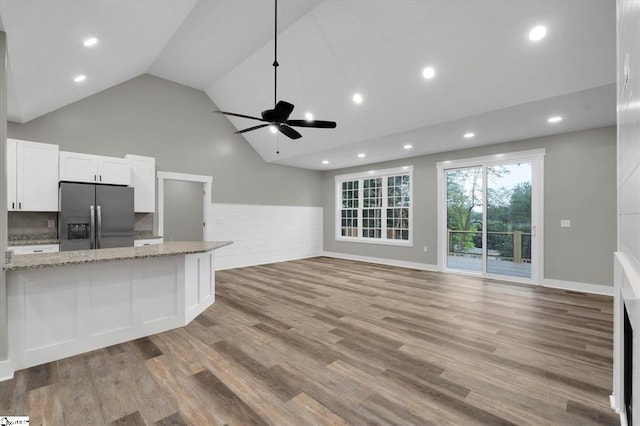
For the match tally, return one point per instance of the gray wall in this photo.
(175, 124)
(580, 184)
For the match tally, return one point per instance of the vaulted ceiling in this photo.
(490, 78)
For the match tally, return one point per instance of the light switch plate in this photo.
(565, 223)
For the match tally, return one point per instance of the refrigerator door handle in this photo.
(92, 218)
(99, 227)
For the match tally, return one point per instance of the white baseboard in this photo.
(259, 263)
(383, 261)
(547, 282)
(605, 290)
(6, 370)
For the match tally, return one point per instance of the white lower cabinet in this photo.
(39, 248)
(147, 242)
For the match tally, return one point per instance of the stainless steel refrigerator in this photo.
(95, 216)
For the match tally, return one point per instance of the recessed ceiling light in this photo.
(469, 135)
(428, 73)
(357, 98)
(90, 42)
(408, 146)
(273, 128)
(325, 161)
(537, 33)
(79, 78)
(308, 116)
(555, 119)
(361, 155)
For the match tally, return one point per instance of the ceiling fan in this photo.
(278, 117)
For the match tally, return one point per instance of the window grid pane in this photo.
(372, 208)
(398, 202)
(372, 217)
(349, 212)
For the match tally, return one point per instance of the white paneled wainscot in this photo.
(59, 311)
(265, 234)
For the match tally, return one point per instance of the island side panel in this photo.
(63, 311)
(199, 283)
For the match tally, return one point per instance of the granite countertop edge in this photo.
(78, 257)
(18, 243)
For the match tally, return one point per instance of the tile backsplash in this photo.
(32, 225)
(35, 225)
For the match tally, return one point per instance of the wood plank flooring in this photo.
(325, 341)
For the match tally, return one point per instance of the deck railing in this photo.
(514, 246)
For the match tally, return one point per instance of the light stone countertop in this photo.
(64, 258)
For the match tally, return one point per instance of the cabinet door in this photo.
(115, 171)
(37, 183)
(76, 167)
(143, 180)
(12, 178)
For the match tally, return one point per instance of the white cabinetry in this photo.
(38, 248)
(32, 176)
(147, 242)
(77, 167)
(143, 180)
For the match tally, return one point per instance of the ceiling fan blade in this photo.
(318, 124)
(282, 111)
(288, 131)
(239, 115)
(259, 126)
(269, 115)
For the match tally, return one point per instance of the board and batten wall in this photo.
(579, 184)
(154, 117)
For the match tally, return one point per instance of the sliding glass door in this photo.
(489, 216)
(508, 219)
(465, 198)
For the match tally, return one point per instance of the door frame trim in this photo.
(536, 157)
(207, 182)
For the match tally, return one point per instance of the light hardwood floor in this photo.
(326, 341)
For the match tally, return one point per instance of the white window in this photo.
(375, 206)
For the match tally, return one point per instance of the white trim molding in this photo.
(605, 290)
(602, 289)
(383, 261)
(536, 158)
(372, 174)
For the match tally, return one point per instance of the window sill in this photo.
(399, 243)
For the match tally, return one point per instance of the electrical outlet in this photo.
(51, 223)
(565, 223)
(426, 249)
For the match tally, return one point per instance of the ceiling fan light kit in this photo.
(278, 117)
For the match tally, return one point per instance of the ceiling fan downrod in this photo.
(275, 57)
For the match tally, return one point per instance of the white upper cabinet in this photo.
(32, 176)
(77, 167)
(143, 180)
(116, 171)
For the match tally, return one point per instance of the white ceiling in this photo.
(490, 78)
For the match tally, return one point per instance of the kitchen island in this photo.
(67, 303)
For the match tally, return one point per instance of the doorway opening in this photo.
(490, 215)
(183, 206)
